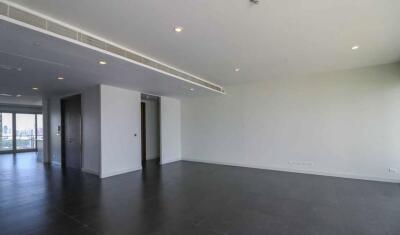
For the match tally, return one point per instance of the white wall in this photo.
(120, 121)
(152, 129)
(91, 151)
(170, 120)
(343, 124)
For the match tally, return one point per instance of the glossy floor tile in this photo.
(190, 198)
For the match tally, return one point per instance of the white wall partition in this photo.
(120, 131)
(341, 123)
(111, 127)
(170, 115)
(110, 119)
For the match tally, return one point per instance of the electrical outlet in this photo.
(393, 170)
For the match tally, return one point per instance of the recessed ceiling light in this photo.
(35, 88)
(102, 62)
(60, 78)
(178, 29)
(237, 69)
(355, 47)
(18, 95)
(191, 89)
(4, 94)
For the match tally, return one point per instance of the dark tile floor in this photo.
(190, 198)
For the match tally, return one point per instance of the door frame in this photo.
(62, 107)
(143, 131)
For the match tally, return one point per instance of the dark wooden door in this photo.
(72, 127)
(143, 128)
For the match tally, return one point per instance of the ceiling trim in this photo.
(21, 108)
(28, 18)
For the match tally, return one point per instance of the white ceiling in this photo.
(43, 58)
(273, 39)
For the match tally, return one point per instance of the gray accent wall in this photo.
(91, 132)
(90, 102)
(54, 135)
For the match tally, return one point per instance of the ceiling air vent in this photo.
(26, 17)
(92, 41)
(134, 57)
(3, 9)
(115, 50)
(62, 30)
(69, 32)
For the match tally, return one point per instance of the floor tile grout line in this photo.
(77, 221)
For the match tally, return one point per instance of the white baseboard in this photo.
(170, 160)
(119, 172)
(56, 163)
(90, 171)
(301, 171)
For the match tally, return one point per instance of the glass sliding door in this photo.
(6, 132)
(20, 132)
(25, 131)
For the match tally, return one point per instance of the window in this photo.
(6, 132)
(39, 125)
(25, 131)
(20, 131)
